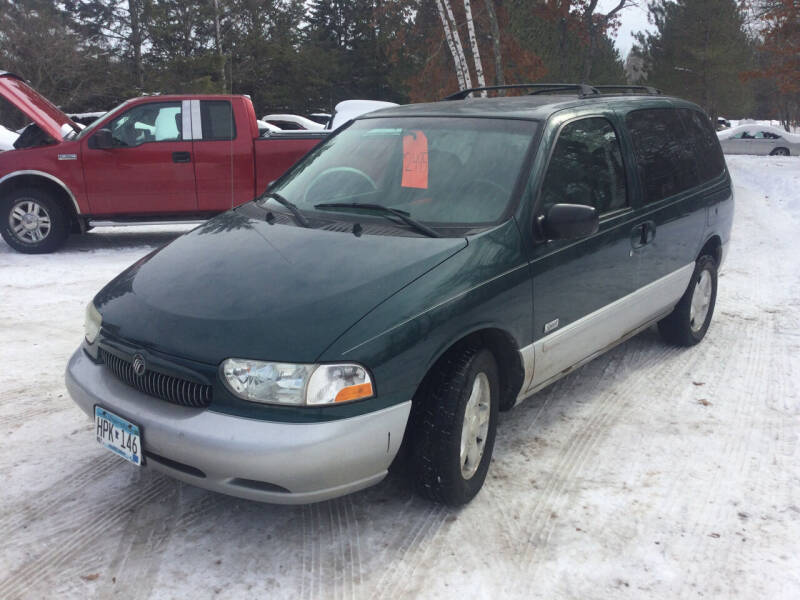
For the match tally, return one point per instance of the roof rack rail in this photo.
(651, 91)
(540, 88)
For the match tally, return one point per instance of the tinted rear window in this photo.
(710, 162)
(664, 152)
(217, 118)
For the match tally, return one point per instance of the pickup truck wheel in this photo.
(688, 323)
(454, 424)
(33, 222)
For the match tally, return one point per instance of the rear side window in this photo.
(217, 118)
(710, 162)
(586, 167)
(664, 153)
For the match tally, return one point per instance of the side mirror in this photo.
(569, 221)
(102, 140)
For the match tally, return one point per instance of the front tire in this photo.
(454, 422)
(689, 321)
(780, 152)
(32, 221)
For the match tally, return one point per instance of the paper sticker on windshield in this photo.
(415, 160)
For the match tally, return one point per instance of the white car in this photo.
(759, 139)
(292, 122)
(350, 109)
(7, 138)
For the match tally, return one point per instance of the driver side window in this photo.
(154, 122)
(586, 168)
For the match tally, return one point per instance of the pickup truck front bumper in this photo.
(282, 463)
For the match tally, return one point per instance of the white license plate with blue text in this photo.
(118, 435)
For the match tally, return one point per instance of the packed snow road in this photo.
(652, 472)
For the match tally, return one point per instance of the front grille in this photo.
(172, 389)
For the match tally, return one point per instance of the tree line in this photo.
(307, 55)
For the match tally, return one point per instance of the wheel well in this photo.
(713, 248)
(506, 354)
(59, 193)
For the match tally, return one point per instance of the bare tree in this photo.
(499, 76)
(454, 42)
(473, 42)
(594, 25)
(448, 35)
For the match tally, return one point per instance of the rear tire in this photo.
(454, 422)
(780, 152)
(689, 322)
(32, 221)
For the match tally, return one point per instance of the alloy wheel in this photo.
(29, 221)
(475, 427)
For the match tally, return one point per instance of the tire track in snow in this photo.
(77, 536)
(58, 495)
(604, 411)
(412, 543)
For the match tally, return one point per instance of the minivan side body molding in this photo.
(555, 355)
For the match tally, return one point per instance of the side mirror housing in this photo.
(569, 221)
(102, 140)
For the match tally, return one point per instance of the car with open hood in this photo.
(150, 159)
(422, 269)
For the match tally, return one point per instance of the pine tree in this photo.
(699, 51)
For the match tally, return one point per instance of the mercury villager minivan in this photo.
(420, 270)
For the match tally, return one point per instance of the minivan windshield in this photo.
(441, 171)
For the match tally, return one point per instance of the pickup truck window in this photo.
(666, 157)
(443, 171)
(153, 122)
(586, 167)
(217, 119)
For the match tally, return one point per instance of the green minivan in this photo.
(423, 268)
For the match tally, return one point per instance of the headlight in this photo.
(298, 385)
(92, 323)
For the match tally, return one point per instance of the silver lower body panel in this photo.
(282, 463)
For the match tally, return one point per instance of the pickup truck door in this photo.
(150, 169)
(224, 164)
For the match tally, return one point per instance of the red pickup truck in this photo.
(155, 158)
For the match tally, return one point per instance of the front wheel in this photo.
(454, 423)
(780, 152)
(689, 321)
(33, 222)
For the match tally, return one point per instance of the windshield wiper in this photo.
(387, 212)
(290, 205)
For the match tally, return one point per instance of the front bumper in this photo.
(283, 463)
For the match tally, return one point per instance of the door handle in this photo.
(649, 232)
(643, 234)
(638, 237)
(181, 157)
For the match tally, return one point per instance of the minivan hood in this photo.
(36, 107)
(239, 287)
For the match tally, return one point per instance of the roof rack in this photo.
(651, 91)
(539, 88)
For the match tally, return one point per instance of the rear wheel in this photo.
(780, 152)
(454, 422)
(688, 323)
(33, 222)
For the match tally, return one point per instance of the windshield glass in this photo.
(442, 171)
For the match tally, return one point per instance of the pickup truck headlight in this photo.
(91, 324)
(297, 385)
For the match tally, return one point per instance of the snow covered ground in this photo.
(652, 472)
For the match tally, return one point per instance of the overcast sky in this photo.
(633, 19)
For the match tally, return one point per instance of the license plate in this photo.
(118, 435)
